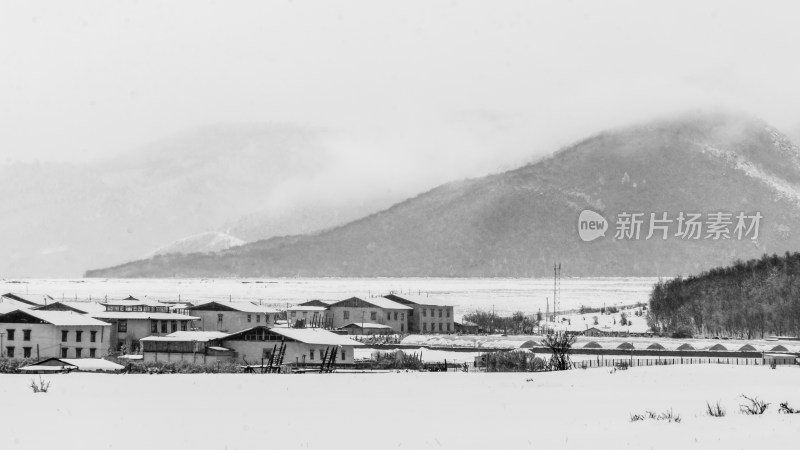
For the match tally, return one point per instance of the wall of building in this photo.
(232, 321)
(45, 340)
(138, 329)
(295, 352)
(397, 319)
(425, 323)
(192, 358)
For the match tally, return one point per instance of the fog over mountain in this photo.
(519, 222)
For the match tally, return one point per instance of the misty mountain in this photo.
(519, 222)
(251, 181)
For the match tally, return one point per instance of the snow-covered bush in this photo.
(41, 386)
(755, 407)
(715, 411)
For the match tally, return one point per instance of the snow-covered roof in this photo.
(421, 299)
(191, 336)
(82, 364)
(130, 301)
(86, 307)
(61, 318)
(380, 302)
(308, 308)
(220, 349)
(367, 325)
(314, 336)
(141, 316)
(21, 300)
(242, 306)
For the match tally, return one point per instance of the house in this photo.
(229, 317)
(195, 347)
(27, 333)
(367, 328)
(304, 346)
(426, 315)
(372, 310)
(51, 365)
(253, 345)
(133, 319)
(594, 331)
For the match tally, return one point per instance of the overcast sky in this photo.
(84, 80)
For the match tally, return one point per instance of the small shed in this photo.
(367, 328)
(51, 365)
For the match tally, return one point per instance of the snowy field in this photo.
(466, 294)
(578, 409)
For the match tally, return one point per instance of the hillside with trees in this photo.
(753, 299)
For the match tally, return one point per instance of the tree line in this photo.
(749, 299)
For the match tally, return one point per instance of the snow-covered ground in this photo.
(506, 295)
(576, 409)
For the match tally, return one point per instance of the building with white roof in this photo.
(74, 306)
(133, 319)
(427, 314)
(231, 316)
(371, 310)
(27, 333)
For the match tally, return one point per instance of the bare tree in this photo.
(559, 343)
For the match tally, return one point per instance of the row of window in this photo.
(78, 336)
(433, 312)
(11, 334)
(258, 318)
(137, 308)
(373, 315)
(322, 354)
(166, 326)
(26, 352)
(433, 326)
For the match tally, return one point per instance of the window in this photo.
(448, 327)
(343, 354)
(402, 327)
(92, 353)
(346, 315)
(373, 315)
(424, 312)
(10, 352)
(78, 351)
(388, 316)
(154, 326)
(258, 318)
(78, 335)
(395, 315)
(433, 312)
(174, 324)
(93, 336)
(311, 354)
(26, 352)
(424, 326)
(249, 318)
(440, 327)
(164, 326)
(219, 320)
(294, 314)
(448, 312)
(10, 335)
(122, 326)
(402, 316)
(64, 334)
(183, 325)
(26, 335)
(440, 313)
(64, 352)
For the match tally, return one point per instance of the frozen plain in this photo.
(575, 409)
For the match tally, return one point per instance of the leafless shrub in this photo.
(786, 409)
(668, 416)
(756, 406)
(637, 417)
(715, 410)
(41, 386)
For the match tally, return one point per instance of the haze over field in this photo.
(129, 126)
